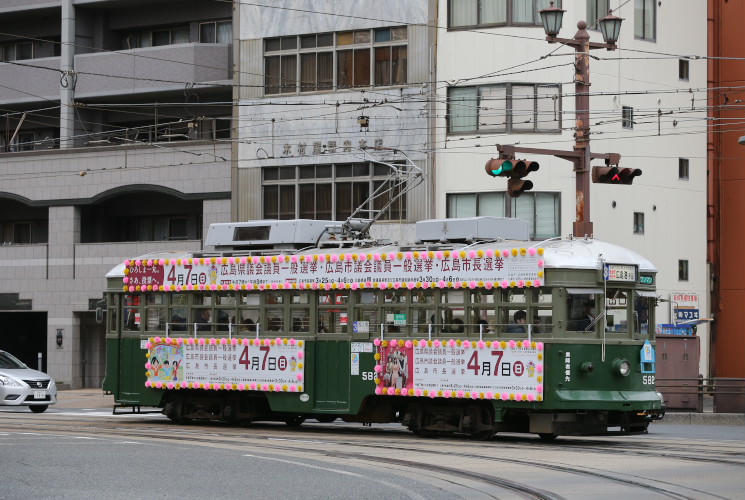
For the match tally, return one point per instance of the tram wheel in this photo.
(325, 419)
(484, 435)
(295, 420)
(548, 436)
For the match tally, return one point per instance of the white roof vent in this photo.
(472, 229)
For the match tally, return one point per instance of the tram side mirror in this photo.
(99, 315)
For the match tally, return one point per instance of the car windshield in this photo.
(8, 361)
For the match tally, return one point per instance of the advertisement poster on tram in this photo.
(202, 363)
(512, 368)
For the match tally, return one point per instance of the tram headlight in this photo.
(622, 367)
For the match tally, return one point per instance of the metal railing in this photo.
(717, 394)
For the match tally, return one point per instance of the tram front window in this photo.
(617, 311)
(641, 313)
(581, 312)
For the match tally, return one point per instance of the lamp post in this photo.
(610, 27)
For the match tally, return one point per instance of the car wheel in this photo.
(39, 408)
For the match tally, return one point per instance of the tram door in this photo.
(332, 368)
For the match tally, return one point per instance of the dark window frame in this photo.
(289, 197)
(638, 222)
(683, 168)
(510, 209)
(509, 14)
(509, 107)
(646, 8)
(627, 117)
(338, 44)
(682, 270)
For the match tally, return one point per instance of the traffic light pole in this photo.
(581, 155)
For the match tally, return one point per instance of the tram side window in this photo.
(179, 312)
(642, 306)
(543, 311)
(581, 312)
(617, 311)
(131, 317)
(332, 312)
(249, 318)
(155, 312)
(203, 319)
(454, 312)
(300, 320)
(225, 318)
(512, 316)
(483, 313)
(275, 321)
(113, 316)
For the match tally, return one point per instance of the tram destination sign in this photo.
(620, 272)
(482, 269)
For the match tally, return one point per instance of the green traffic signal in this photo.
(499, 168)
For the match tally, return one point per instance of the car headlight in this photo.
(622, 367)
(9, 381)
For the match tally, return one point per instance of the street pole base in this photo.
(582, 229)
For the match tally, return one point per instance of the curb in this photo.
(703, 419)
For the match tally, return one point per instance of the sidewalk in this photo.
(95, 398)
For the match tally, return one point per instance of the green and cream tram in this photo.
(470, 329)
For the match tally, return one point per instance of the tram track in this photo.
(375, 451)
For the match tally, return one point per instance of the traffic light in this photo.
(614, 175)
(516, 187)
(499, 168)
(523, 168)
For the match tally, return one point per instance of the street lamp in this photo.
(581, 156)
(610, 26)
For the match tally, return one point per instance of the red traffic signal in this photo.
(524, 167)
(614, 175)
(516, 187)
(499, 168)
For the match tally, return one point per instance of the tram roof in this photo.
(567, 253)
(587, 253)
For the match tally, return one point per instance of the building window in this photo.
(511, 107)
(24, 141)
(156, 37)
(638, 223)
(627, 117)
(475, 204)
(216, 32)
(683, 168)
(475, 13)
(319, 62)
(16, 51)
(541, 210)
(682, 270)
(329, 192)
(596, 10)
(683, 69)
(645, 19)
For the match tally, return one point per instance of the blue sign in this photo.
(686, 314)
(667, 329)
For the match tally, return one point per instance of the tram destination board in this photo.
(620, 272)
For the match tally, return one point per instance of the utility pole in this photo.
(581, 155)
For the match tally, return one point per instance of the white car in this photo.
(23, 386)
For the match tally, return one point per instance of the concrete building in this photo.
(327, 104)
(500, 82)
(114, 142)
(726, 187)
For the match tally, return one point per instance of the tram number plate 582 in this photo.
(648, 379)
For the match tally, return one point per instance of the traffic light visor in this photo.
(496, 167)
